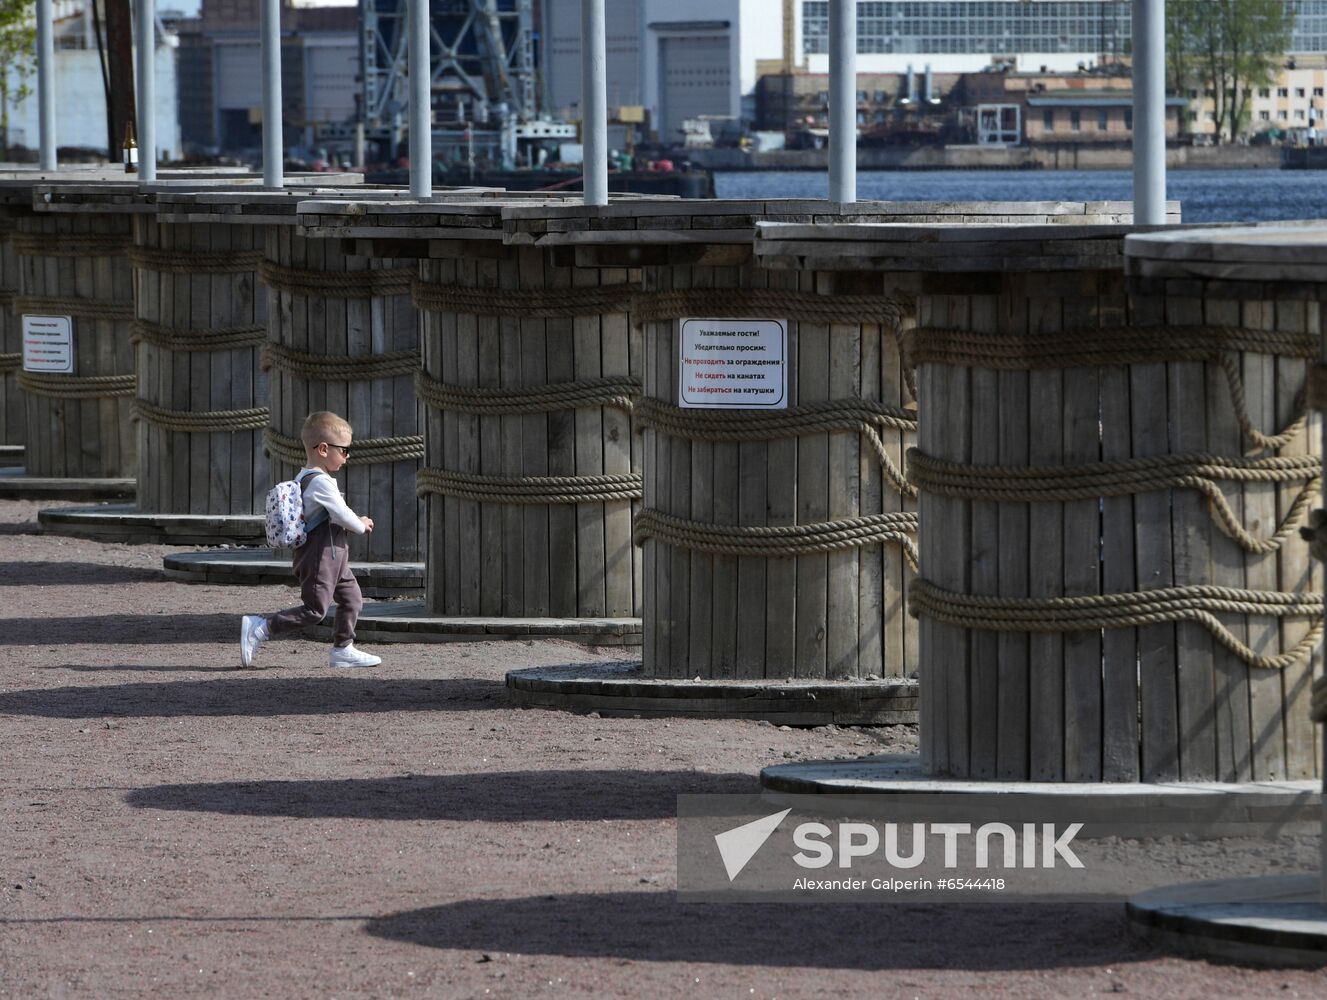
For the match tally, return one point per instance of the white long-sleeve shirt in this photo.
(323, 492)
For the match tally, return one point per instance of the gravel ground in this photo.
(173, 827)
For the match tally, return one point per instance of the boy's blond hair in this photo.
(318, 427)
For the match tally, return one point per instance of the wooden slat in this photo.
(563, 546)
(534, 442)
(812, 497)
(700, 595)
(872, 621)
(492, 516)
(782, 506)
(983, 645)
(621, 456)
(1265, 694)
(1154, 568)
(843, 482)
(511, 449)
(588, 422)
(679, 502)
(726, 501)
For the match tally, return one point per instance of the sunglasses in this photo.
(344, 448)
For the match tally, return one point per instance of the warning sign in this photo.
(737, 363)
(48, 344)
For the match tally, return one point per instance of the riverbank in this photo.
(1058, 157)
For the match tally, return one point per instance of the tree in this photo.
(1229, 47)
(18, 47)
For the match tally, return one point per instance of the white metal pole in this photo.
(46, 85)
(594, 102)
(421, 110)
(273, 145)
(1149, 112)
(147, 90)
(843, 100)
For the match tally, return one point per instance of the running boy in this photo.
(322, 563)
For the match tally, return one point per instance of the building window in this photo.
(1211, 116)
(1264, 116)
(1076, 121)
(1282, 91)
(1300, 92)
(1265, 92)
(1193, 116)
(1048, 120)
(1128, 119)
(1103, 120)
(1317, 91)
(1209, 93)
(1193, 95)
(1299, 115)
(1282, 116)
(881, 96)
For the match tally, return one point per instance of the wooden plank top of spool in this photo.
(1282, 252)
(735, 221)
(250, 204)
(948, 247)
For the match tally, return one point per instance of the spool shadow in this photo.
(254, 697)
(55, 574)
(655, 927)
(492, 797)
(120, 629)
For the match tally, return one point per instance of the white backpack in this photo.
(286, 528)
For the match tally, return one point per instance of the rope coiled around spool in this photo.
(32, 305)
(803, 307)
(522, 303)
(1200, 604)
(617, 391)
(333, 368)
(194, 261)
(867, 417)
(1064, 483)
(202, 421)
(77, 386)
(529, 489)
(169, 338)
(367, 451)
(1117, 346)
(71, 244)
(780, 541)
(10, 363)
(335, 284)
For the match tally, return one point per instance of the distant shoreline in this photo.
(1038, 158)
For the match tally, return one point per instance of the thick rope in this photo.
(1200, 604)
(202, 421)
(522, 303)
(1122, 345)
(195, 261)
(10, 363)
(784, 541)
(335, 368)
(366, 451)
(169, 338)
(71, 244)
(335, 284)
(804, 307)
(77, 386)
(619, 392)
(1064, 483)
(32, 305)
(7, 296)
(865, 416)
(529, 489)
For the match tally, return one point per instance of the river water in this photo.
(1205, 195)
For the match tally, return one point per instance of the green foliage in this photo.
(18, 54)
(1227, 47)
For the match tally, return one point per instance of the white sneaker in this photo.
(349, 656)
(253, 633)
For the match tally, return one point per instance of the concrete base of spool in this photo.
(16, 484)
(253, 567)
(407, 621)
(1206, 810)
(621, 689)
(126, 523)
(11, 456)
(1276, 920)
